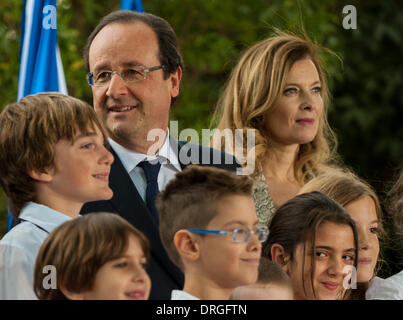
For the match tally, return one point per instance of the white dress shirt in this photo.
(19, 248)
(131, 159)
(386, 289)
(182, 295)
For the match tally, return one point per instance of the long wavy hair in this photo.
(252, 90)
(395, 205)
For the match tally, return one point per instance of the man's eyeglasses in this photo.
(134, 74)
(238, 234)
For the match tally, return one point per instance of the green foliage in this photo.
(366, 109)
(368, 100)
(10, 13)
(212, 34)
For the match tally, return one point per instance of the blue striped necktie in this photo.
(151, 172)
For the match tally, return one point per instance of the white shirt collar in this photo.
(130, 159)
(43, 216)
(182, 295)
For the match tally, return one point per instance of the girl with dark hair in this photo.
(315, 242)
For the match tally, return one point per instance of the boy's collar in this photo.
(43, 216)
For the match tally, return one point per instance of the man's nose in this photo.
(117, 87)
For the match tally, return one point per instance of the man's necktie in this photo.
(151, 172)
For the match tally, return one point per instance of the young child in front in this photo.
(315, 242)
(52, 161)
(209, 227)
(272, 284)
(99, 256)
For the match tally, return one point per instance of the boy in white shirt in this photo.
(208, 225)
(52, 161)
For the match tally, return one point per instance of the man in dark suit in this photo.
(135, 68)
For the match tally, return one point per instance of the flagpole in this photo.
(41, 66)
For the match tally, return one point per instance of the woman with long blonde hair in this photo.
(279, 90)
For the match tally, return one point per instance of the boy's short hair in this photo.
(271, 272)
(29, 131)
(190, 201)
(79, 248)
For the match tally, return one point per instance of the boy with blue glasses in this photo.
(209, 228)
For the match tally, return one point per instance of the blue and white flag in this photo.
(41, 67)
(135, 5)
(9, 221)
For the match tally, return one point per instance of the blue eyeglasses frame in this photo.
(234, 231)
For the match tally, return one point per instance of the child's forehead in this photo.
(91, 129)
(264, 291)
(330, 236)
(223, 221)
(235, 207)
(134, 243)
(330, 232)
(133, 248)
(273, 285)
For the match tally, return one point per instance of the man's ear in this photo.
(279, 256)
(186, 245)
(175, 79)
(41, 175)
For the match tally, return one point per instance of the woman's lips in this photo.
(306, 121)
